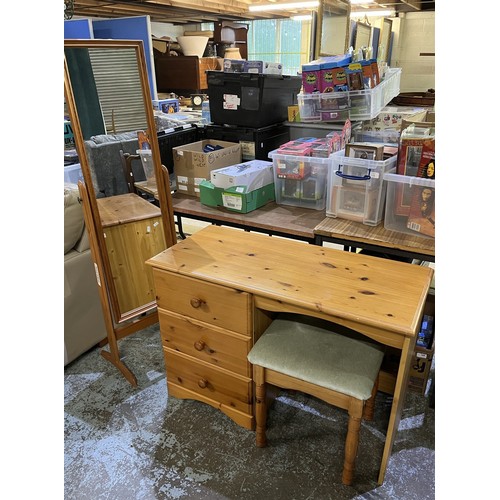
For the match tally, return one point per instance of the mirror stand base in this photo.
(121, 366)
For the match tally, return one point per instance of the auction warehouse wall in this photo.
(413, 47)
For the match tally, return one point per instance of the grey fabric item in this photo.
(106, 165)
(307, 350)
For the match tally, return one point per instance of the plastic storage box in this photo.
(148, 166)
(355, 105)
(356, 188)
(249, 99)
(400, 187)
(300, 180)
(73, 174)
(256, 143)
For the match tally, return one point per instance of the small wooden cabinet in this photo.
(133, 232)
(183, 73)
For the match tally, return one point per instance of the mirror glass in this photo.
(99, 76)
(108, 101)
(333, 27)
(362, 36)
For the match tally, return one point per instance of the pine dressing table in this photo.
(218, 289)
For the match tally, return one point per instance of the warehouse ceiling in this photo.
(206, 11)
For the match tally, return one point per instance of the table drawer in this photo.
(213, 345)
(209, 382)
(218, 305)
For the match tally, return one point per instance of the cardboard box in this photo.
(192, 165)
(253, 175)
(236, 198)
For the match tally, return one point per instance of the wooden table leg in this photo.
(397, 403)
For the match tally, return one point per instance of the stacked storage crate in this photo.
(411, 189)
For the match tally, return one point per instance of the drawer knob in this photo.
(199, 345)
(202, 383)
(196, 302)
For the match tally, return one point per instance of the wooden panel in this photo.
(375, 235)
(128, 247)
(125, 208)
(290, 220)
(217, 305)
(215, 384)
(213, 345)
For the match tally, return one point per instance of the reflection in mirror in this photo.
(99, 76)
(108, 100)
(332, 32)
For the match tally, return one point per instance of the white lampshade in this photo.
(193, 45)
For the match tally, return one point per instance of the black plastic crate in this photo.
(169, 140)
(255, 143)
(251, 99)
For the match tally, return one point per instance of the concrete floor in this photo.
(137, 443)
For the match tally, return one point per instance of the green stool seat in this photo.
(309, 352)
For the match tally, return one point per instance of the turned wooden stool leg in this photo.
(352, 440)
(369, 409)
(260, 406)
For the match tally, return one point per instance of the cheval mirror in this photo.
(108, 100)
(333, 25)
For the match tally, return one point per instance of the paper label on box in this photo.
(182, 187)
(247, 150)
(421, 355)
(197, 180)
(231, 102)
(232, 201)
(182, 179)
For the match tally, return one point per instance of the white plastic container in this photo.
(399, 189)
(300, 180)
(356, 188)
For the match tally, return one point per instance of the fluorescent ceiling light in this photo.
(374, 13)
(360, 2)
(305, 17)
(284, 6)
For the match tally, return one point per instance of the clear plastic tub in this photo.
(148, 165)
(73, 174)
(300, 180)
(355, 105)
(401, 190)
(356, 188)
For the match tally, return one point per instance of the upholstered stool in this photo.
(302, 353)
